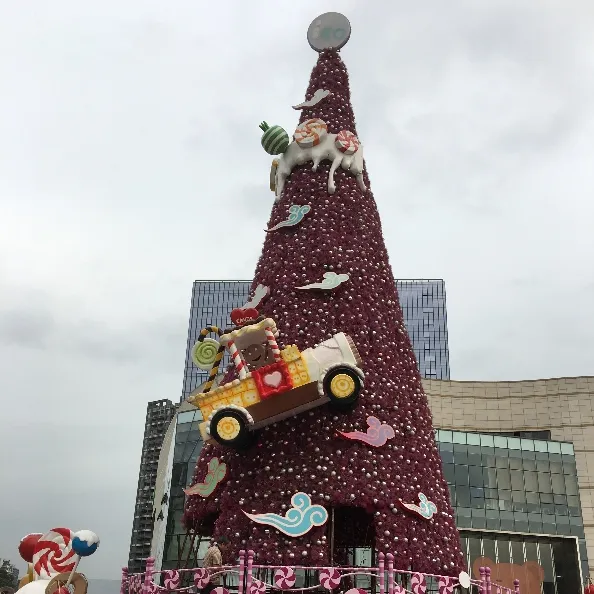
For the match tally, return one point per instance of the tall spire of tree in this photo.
(363, 486)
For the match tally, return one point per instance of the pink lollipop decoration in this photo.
(53, 553)
(356, 591)
(377, 433)
(446, 585)
(418, 583)
(257, 587)
(346, 142)
(220, 590)
(284, 578)
(201, 578)
(171, 579)
(329, 578)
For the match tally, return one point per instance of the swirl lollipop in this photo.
(204, 353)
(53, 553)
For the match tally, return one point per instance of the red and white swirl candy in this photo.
(329, 578)
(201, 578)
(446, 585)
(418, 583)
(284, 578)
(356, 591)
(257, 587)
(310, 133)
(346, 142)
(171, 579)
(53, 553)
(220, 590)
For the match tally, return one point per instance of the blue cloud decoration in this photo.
(298, 520)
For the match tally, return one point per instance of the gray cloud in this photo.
(129, 139)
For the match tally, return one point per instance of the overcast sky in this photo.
(129, 138)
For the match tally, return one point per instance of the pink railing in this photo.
(388, 579)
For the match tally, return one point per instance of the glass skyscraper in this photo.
(423, 304)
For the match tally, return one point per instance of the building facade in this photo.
(158, 418)
(423, 304)
(548, 491)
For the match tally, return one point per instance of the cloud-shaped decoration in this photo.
(296, 215)
(377, 433)
(217, 471)
(426, 509)
(85, 543)
(298, 520)
(331, 281)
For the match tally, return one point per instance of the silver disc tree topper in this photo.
(330, 30)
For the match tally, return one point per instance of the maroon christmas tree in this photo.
(371, 490)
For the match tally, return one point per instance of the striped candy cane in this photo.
(272, 344)
(237, 360)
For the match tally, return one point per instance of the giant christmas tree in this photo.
(364, 486)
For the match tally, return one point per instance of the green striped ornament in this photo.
(275, 139)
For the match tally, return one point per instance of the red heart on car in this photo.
(242, 316)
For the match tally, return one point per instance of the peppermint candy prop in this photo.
(284, 578)
(310, 133)
(446, 585)
(171, 579)
(418, 583)
(329, 578)
(257, 587)
(201, 578)
(346, 142)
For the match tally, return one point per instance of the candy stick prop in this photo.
(237, 360)
(272, 344)
(84, 544)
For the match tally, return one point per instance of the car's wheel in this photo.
(230, 428)
(342, 385)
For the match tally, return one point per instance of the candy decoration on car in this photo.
(331, 281)
(298, 520)
(329, 578)
(201, 578)
(418, 583)
(220, 590)
(347, 142)
(377, 433)
(318, 96)
(446, 585)
(296, 215)
(257, 587)
(217, 471)
(310, 133)
(275, 139)
(171, 579)
(426, 509)
(53, 553)
(284, 578)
